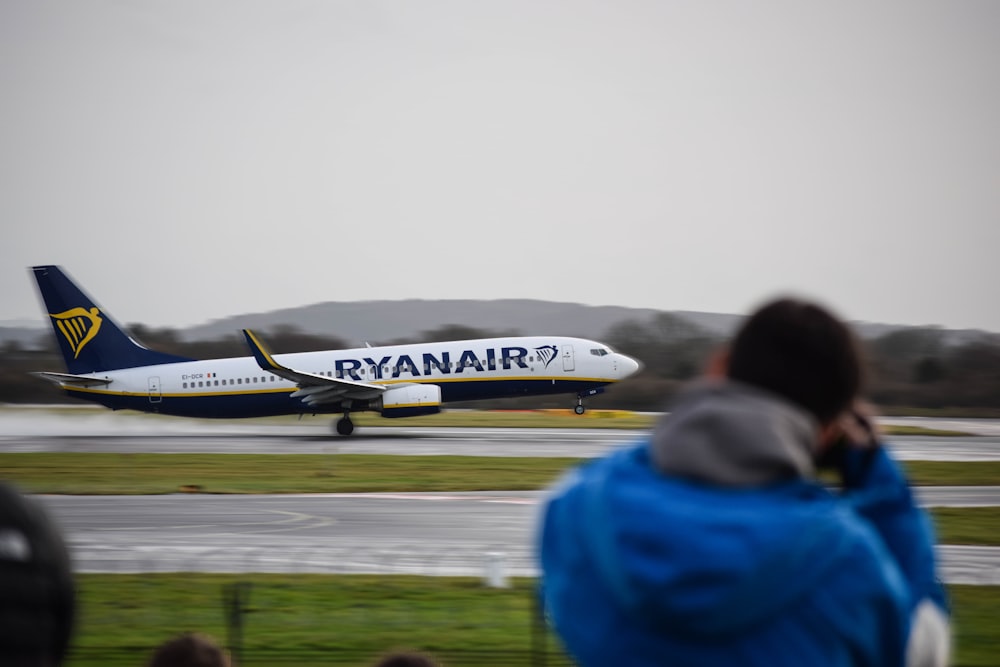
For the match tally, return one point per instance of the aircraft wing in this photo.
(313, 389)
(69, 378)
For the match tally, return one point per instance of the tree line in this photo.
(912, 370)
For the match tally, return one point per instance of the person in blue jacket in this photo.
(713, 543)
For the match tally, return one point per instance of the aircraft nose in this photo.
(628, 366)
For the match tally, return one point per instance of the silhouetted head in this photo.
(190, 649)
(406, 659)
(37, 594)
(802, 352)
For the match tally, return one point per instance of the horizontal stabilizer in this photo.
(75, 380)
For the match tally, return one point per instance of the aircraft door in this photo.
(567, 357)
(154, 389)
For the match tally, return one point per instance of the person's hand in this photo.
(857, 428)
(849, 444)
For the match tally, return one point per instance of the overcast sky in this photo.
(188, 160)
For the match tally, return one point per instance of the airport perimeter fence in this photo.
(308, 607)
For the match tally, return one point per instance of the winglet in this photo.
(308, 382)
(260, 353)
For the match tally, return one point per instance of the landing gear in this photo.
(345, 426)
(579, 409)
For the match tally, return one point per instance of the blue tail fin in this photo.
(89, 339)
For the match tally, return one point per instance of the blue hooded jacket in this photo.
(642, 567)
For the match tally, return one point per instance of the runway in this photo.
(103, 431)
(399, 533)
(428, 534)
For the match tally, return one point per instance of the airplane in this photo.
(107, 366)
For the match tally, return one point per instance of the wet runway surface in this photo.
(102, 431)
(402, 533)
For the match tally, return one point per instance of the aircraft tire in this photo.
(579, 409)
(345, 426)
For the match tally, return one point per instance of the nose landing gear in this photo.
(579, 409)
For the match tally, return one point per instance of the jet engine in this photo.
(410, 400)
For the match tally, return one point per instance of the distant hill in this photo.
(25, 336)
(377, 322)
(381, 321)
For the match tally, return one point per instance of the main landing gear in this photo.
(344, 425)
(579, 409)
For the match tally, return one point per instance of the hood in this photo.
(733, 434)
(678, 556)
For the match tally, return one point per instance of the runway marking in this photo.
(421, 496)
(320, 522)
(292, 517)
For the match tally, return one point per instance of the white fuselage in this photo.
(464, 370)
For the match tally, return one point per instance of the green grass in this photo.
(620, 419)
(310, 619)
(89, 473)
(975, 612)
(953, 473)
(896, 429)
(967, 525)
(99, 473)
(313, 620)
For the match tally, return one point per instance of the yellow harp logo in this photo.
(78, 326)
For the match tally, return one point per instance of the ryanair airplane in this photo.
(107, 366)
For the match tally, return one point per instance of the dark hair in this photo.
(406, 659)
(37, 594)
(802, 352)
(190, 649)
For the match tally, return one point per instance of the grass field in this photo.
(91, 473)
(967, 525)
(313, 620)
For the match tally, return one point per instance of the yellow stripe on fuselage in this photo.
(288, 390)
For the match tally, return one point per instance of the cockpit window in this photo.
(599, 352)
